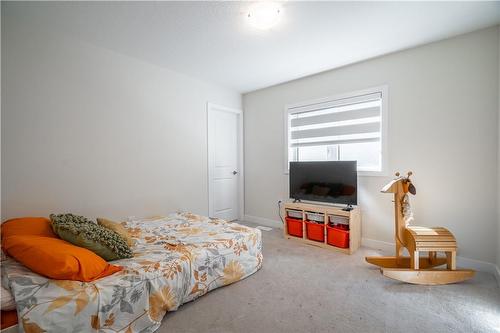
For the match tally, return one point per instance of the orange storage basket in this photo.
(337, 237)
(315, 231)
(294, 227)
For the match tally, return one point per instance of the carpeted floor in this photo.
(302, 288)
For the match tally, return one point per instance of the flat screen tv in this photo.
(331, 181)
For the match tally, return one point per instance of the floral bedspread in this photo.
(176, 259)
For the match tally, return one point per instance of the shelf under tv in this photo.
(309, 210)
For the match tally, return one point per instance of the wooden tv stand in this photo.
(353, 217)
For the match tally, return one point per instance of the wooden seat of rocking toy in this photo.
(423, 239)
(430, 239)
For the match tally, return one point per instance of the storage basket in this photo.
(296, 214)
(337, 236)
(338, 219)
(317, 217)
(315, 231)
(294, 227)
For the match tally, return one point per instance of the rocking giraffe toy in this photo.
(416, 269)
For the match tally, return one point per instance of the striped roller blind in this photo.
(350, 120)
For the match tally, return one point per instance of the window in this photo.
(346, 128)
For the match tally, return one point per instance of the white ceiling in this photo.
(214, 42)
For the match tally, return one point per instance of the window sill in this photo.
(372, 174)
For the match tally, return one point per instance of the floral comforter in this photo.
(176, 259)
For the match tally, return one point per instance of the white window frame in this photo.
(384, 90)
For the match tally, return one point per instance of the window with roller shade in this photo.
(340, 129)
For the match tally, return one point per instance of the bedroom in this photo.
(105, 114)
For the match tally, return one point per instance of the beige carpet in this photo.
(302, 288)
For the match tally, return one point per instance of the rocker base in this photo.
(428, 277)
(404, 262)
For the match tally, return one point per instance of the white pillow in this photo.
(8, 302)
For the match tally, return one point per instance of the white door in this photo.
(224, 162)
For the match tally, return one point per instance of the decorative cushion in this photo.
(118, 228)
(57, 259)
(39, 226)
(83, 232)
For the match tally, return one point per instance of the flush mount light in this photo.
(264, 15)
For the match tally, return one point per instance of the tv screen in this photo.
(332, 181)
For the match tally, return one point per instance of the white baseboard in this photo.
(497, 275)
(463, 262)
(263, 221)
(378, 245)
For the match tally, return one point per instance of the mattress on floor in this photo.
(176, 259)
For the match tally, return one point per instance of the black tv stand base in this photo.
(348, 208)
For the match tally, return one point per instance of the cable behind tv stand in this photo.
(303, 211)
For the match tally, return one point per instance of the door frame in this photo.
(241, 180)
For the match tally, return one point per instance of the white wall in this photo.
(93, 132)
(443, 124)
(498, 193)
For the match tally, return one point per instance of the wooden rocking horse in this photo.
(415, 269)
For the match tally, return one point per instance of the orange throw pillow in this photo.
(39, 226)
(57, 259)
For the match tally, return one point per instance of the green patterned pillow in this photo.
(83, 232)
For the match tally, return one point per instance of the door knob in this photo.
(235, 172)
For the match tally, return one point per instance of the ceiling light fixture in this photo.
(264, 15)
